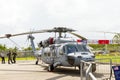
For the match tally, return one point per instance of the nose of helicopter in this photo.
(75, 58)
(71, 60)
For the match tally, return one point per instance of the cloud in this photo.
(63, 8)
(83, 15)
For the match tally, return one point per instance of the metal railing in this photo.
(103, 70)
(88, 72)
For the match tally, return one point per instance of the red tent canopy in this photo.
(103, 41)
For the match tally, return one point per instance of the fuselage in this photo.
(66, 54)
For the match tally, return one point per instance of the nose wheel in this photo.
(36, 62)
(93, 67)
(50, 68)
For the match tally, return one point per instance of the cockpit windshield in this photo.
(71, 48)
(83, 48)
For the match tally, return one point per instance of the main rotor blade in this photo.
(77, 35)
(108, 32)
(55, 29)
(25, 33)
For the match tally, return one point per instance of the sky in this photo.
(85, 16)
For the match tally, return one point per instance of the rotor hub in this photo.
(8, 35)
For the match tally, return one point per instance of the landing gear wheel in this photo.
(81, 66)
(36, 62)
(50, 68)
(93, 67)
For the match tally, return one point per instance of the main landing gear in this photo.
(50, 67)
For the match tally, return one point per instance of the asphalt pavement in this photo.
(27, 70)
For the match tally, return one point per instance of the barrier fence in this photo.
(103, 70)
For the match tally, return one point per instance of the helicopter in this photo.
(59, 50)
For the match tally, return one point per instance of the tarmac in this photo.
(27, 70)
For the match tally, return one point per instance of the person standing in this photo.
(3, 57)
(14, 57)
(9, 57)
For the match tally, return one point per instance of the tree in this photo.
(116, 38)
(3, 47)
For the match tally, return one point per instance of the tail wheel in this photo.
(50, 68)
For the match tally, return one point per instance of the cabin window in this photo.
(45, 54)
(48, 53)
(61, 50)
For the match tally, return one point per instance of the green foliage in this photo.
(110, 47)
(96, 46)
(27, 49)
(3, 47)
(116, 38)
(115, 57)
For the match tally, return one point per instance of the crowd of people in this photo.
(10, 55)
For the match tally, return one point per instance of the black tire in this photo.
(36, 62)
(93, 67)
(50, 68)
(80, 67)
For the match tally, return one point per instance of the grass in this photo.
(115, 57)
(26, 58)
(22, 58)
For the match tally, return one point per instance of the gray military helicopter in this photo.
(60, 51)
